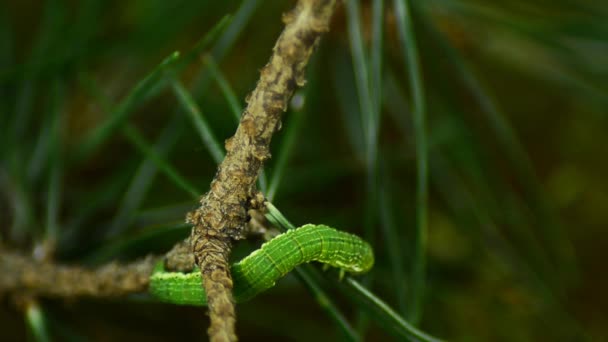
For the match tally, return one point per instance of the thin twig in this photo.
(222, 215)
(26, 275)
(31, 276)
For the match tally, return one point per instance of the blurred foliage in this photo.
(100, 158)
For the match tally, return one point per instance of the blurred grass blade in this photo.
(392, 242)
(241, 19)
(233, 103)
(194, 53)
(56, 162)
(286, 149)
(144, 147)
(41, 153)
(278, 218)
(147, 87)
(195, 114)
(37, 322)
(344, 86)
(154, 159)
(51, 22)
(383, 313)
(144, 176)
(516, 154)
(153, 240)
(457, 196)
(44, 149)
(379, 310)
(409, 49)
(62, 39)
(144, 88)
(226, 41)
(369, 118)
(167, 213)
(361, 73)
(97, 198)
(14, 185)
(26, 97)
(385, 202)
(61, 329)
(376, 73)
(307, 276)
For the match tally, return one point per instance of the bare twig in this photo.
(31, 276)
(22, 274)
(222, 215)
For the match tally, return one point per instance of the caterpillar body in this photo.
(263, 267)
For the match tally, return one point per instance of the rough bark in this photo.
(21, 274)
(222, 215)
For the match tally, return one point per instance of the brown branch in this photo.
(223, 211)
(25, 275)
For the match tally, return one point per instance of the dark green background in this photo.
(517, 111)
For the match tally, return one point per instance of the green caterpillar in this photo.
(262, 268)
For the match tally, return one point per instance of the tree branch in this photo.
(222, 215)
(32, 277)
